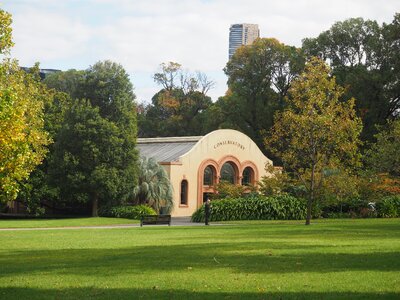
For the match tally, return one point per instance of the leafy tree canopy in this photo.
(95, 156)
(259, 76)
(179, 108)
(86, 159)
(316, 132)
(384, 155)
(23, 140)
(68, 82)
(364, 57)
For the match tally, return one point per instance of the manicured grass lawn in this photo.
(72, 222)
(340, 259)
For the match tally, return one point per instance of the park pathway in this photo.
(175, 221)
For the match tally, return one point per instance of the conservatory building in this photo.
(195, 164)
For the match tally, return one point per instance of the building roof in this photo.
(167, 149)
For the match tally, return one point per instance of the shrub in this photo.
(338, 215)
(228, 190)
(128, 212)
(389, 207)
(352, 208)
(283, 207)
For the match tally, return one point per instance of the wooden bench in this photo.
(155, 220)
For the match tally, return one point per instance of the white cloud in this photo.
(44, 37)
(142, 34)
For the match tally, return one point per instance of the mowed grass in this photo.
(340, 259)
(70, 222)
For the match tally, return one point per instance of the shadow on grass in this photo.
(374, 227)
(255, 257)
(103, 293)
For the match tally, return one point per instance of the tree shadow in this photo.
(155, 293)
(240, 257)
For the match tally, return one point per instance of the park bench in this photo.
(155, 220)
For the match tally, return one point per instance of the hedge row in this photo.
(389, 207)
(128, 212)
(283, 207)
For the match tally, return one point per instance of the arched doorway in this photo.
(208, 177)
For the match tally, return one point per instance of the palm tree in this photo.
(154, 187)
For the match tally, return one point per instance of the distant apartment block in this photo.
(242, 34)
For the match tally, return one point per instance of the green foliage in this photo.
(128, 212)
(38, 190)
(389, 207)
(365, 58)
(69, 82)
(384, 155)
(154, 187)
(338, 187)
(351, 208)
(179, 108)
(228, 190)
(174, 113)
(316, 132)
(259, 76)
(94, 157)
(87, 164)
(5, 32)
(276, 183)
(23, 139)
(283, 207)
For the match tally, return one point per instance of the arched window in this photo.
(209, 175)
(248, 176)
(184, 192)
(228, 173)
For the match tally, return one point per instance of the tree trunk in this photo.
(95, 204)
(309, 208)
(311, 198)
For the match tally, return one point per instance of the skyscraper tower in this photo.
(242, 34)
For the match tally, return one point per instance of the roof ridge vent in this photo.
(179, 139)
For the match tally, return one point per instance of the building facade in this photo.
(195, 164)
(242, 34)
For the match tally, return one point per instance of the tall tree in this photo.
(384, 155)
(38, 191)
(68, 82)
(107, 151)
(391, 36)
(316, 132)
(22, 137)
(364, 58)
(259, 76)
(88, 154)
(179, 108)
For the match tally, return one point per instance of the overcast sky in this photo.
(72, 34)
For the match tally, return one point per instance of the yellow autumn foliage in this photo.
(22, 137)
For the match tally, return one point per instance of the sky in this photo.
(140, 35)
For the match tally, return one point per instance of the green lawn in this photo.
(340, 259)
(72, 222)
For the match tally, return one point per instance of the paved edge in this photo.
(179, 221)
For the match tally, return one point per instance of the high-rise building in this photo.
(242, 34)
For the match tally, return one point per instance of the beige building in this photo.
(195, 164)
